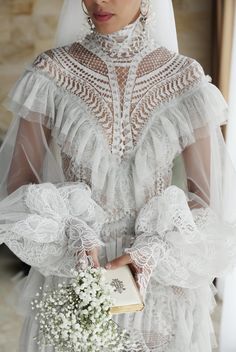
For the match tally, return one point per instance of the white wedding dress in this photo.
(116, 142)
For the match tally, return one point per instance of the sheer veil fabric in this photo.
(121, 149)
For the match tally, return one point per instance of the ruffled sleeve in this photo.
(181, 247)
(33, 96)
(29, 154)
(187, 235)
(47, 222)
(50, 227)
(188, 117)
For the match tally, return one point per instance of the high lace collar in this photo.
(123, 43)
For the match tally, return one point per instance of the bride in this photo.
(115, 156)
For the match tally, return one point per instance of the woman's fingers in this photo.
(119, 261)
(94, 255)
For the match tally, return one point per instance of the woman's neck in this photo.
(122, 43)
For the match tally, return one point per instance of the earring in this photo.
(90, 22)
(144, 9)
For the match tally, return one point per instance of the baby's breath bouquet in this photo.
(76, 317)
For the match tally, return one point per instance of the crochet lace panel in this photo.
(120, 96)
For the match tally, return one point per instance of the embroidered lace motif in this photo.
(120, 94)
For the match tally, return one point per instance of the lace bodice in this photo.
(119, 86)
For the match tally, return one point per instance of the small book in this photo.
(126, 294)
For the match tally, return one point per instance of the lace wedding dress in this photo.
(116, 142)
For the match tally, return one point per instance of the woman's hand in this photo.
(94, 256)
(122, 260)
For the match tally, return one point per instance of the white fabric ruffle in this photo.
(172, 127)
(178, 246)
(50, 227)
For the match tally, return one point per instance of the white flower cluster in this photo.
(76, 317)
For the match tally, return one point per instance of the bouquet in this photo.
(76, 317)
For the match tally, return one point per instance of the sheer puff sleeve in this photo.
(187, 235)
(47, 222)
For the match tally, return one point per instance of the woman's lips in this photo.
(102, 16)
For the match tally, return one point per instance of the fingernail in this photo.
(108, 266)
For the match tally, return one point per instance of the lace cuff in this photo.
(50, 227)
(178, 246)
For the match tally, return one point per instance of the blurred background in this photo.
(206, 31)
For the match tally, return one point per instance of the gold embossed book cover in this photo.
(126, 294)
